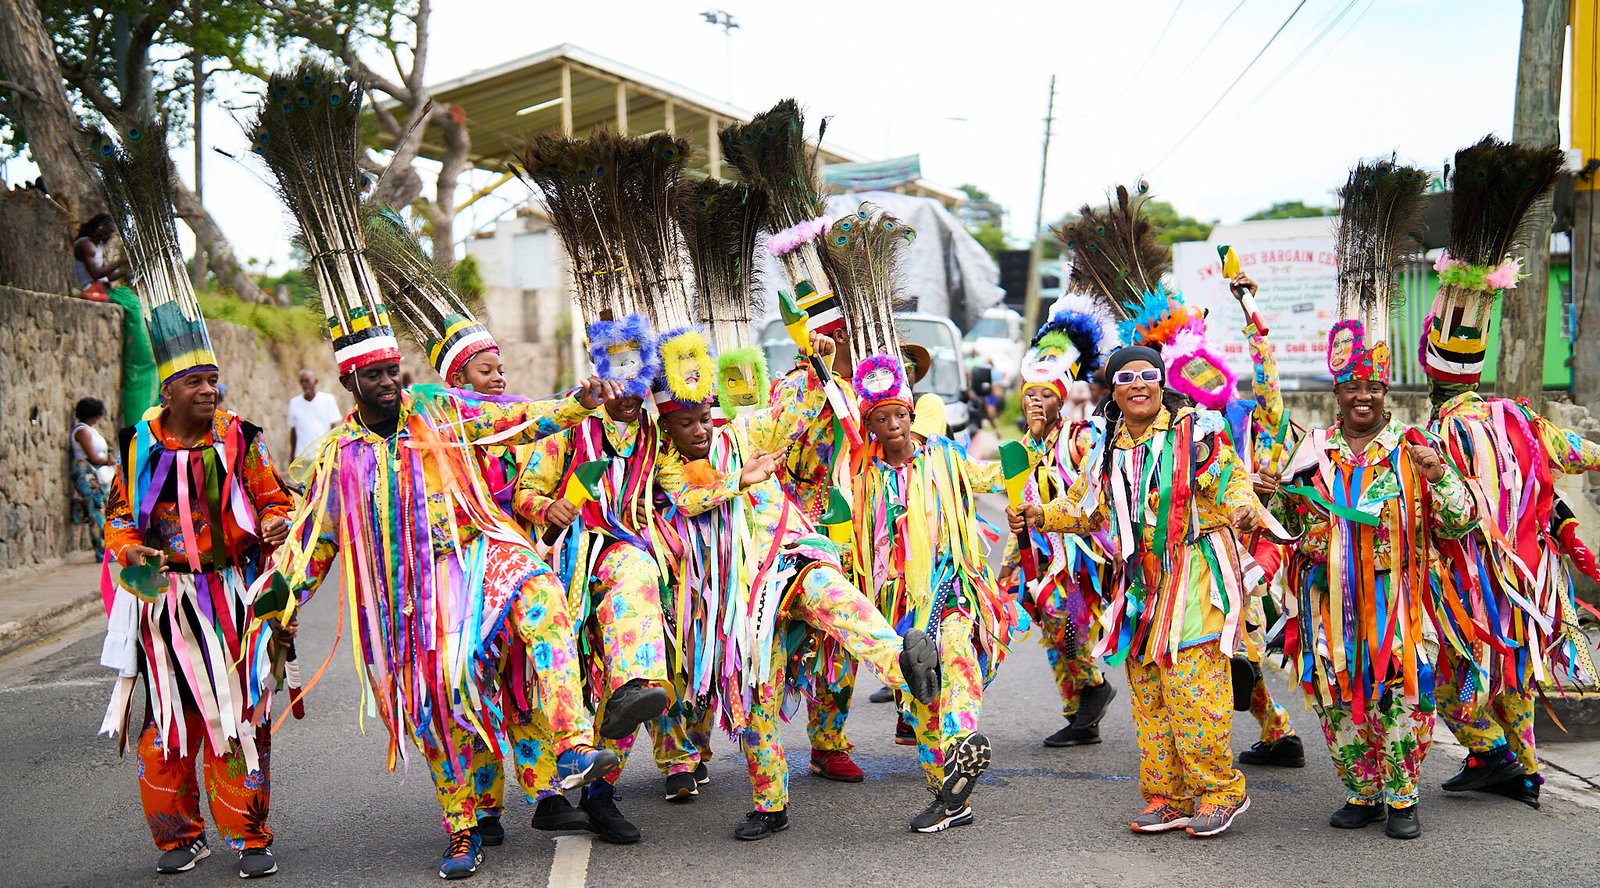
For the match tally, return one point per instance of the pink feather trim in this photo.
(792, 238)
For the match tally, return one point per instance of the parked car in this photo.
(998, 341)
(940, 336)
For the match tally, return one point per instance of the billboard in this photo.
(1298, 300)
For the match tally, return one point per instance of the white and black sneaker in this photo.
(968, 759)
(938, 817)
(255, 863)
(181, 860)
(682, 787)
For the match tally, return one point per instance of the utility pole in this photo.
(1520, 373)
(1030, 304)
(1585, 226)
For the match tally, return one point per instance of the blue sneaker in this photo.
(582, 765)
(461, 859)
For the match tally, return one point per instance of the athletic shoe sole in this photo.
(683, 794)
(967, 762)
(919, 666)
(702, 779)
(640, 707)
(961, 818)
(1502, 772)
(204, 853)
(604, 761)
(463, 874)
(265, 872)
(1218, 830)
(1076, 741)
(1168, 826)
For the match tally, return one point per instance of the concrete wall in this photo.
(55, 350)
(533, 321)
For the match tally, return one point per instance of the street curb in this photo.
(41, 626)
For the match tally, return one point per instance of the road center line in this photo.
(570, 867)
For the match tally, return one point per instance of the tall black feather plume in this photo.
(422, 300)
(722, 223)
(308, 130)
(1379, 217)
(1115, 254)
(1495, 183)
(863, 252)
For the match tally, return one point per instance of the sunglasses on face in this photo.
(1127, 377)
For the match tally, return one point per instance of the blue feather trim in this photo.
(633, 330)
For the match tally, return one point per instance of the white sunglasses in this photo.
(1127, 377)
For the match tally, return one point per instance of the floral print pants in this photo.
(238, 796)
(1274, 719)
(1181, 716)
(627, 613)
(827, 712)
(954, 713)
(829, 603)
(474, 785)
(1379, 760)
(1481, 723)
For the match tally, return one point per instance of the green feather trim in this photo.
(753, 361)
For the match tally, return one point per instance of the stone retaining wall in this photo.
(57, 349)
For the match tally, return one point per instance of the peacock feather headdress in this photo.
(136, 178)
(864, 251)
(308, 131)
(1380, 212)
(722, 224)
(1494, 184)
(422, 300)
(1118, 259)
(611, 200)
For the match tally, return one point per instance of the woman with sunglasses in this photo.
(1167, 483)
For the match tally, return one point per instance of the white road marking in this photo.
(69, 683)
(570, 868)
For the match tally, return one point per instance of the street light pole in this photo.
(723, 19)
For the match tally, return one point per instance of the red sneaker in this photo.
(836, 764)
(904, 734)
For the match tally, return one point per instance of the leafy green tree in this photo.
(983, 218)
(1290, 209)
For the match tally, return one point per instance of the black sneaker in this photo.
(919, 665)
(630, 706)
(255, 863)
(681, 787)
(1403, 823)
(967, 761)
(491, 831)
(462, 857)
(181, 860)
(1354, 816)
(1093, 701)
(1072, 735)
(939, 816)
(556, 814)
(600, 803)
(881, 695)
(760, 824)
(702, 774)
(1480, 769)
(1288, 752)
(1524, 789)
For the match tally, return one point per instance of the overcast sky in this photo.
(965, 85)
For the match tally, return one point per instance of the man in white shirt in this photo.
(311, 415)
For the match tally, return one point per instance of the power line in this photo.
(1203, 47)
(1157, 45)
(1197, 123)
(1305, 51)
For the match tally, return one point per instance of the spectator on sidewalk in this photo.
(90, 271)
(92, 471)
(311, 414)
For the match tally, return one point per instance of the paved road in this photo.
(69, 809)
